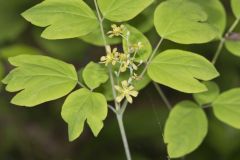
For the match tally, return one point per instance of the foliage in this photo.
(119, 75)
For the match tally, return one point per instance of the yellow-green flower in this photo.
(124, 66)
(111, 57)
(123, 57)
(116, 30)
(133, 65)
(136, 47)
(135, 77)
(127, 91)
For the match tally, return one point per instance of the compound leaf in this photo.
(134, 38)
(185, 129)
(39, 79)
(83, 105)
(180, 70)
(122, 10)
(183, 22)
(209, 96)
(227, 107)
(94, 75)
(63, 19)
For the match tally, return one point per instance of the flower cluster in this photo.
(123, 62)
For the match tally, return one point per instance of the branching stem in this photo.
(223, 40)
(117, 111)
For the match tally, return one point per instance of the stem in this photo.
(151, 57)
(234, 25)
(223, 40)
(118, 114)
(112, 108)
(163, 96)
(124, 137)
(124, 106)
(101, 24)
(220, 47)
(82, 85)
(113, 89)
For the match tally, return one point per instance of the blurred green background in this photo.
(41, 134)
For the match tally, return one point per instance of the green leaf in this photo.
(83, 105)
(236, 8)
(18, 49)
(94, 75)
(227, 107)
(180, 70)
(122, 10)
(233, 47)
(39, 79)
(184, 22)
(185, 129)
(63, 19)
(134, 38)
(208, 96)
(214, 8)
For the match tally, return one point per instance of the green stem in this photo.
(113, 89)
(219, 49)
(124, 106)
(124, 137)
(151, 57)
(223, 40)
(82, 85)
(101, 24)
(117, 105)
(163, 96)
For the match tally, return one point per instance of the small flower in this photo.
(127, 91)
(136, 47)
(111, 57)
(123, 57)
(135, 77)
(124, 66)
(116, 30)
(133, 65)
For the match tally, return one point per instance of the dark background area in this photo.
(39, 133)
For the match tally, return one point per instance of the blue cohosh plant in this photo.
(120, 74)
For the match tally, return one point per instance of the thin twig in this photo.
(163, 96)
(206, 106)
(82, 85)
(101, 24)
(124, 137)
(151, 57)
(112, 108)
(124, 106)
(223, 40)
